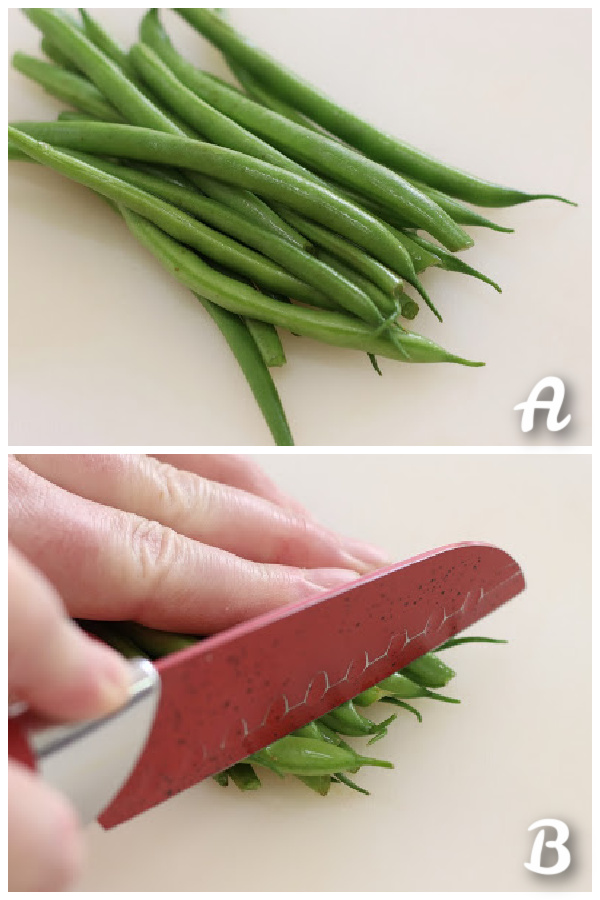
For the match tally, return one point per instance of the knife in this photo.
(198, 711)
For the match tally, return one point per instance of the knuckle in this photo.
(155, 551)
(183, 494)
(294, 536)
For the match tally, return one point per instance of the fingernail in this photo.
(330, 578)
(113, 677)
(370, 556)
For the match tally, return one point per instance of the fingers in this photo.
(45, 846)
(236, 471)
(52, 665)
(109, 564)
(220, 515)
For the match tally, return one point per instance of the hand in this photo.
(59, 672)
(184, 543)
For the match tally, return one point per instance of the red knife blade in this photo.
(239, 690)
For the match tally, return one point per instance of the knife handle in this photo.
(19, 748)
(89, 761)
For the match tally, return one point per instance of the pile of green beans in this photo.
(317, 754)
(277, 208)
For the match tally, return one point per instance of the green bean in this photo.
(222, 778)
(305, 756)
(111, 635)
(368, 697)
(320, 784)
(360, 261)
(422, 258)
(317, 152)
(383, 302)
(69, 115)
(395, 701)
(460, 213)
(332, 737)
(243, 776)
(190, 231)
(251, 360)
(207, 121)
(253, 343)
(259, 93)
(318, 273)
(452, 263)
(105, 43)
(332, 328)
(386, 280)
(154, 642)
(16, 154)
(169, 218)
(310, 731)
(135, 106)
(57, 56)
(343, 779)
(383, 148)
(268, 342)
(398, 685)
(247, 339)
(346, 719)
(454, 642)
(429, 671)
(66, 86)
(232, 167)
(457, 211)
(410, 308)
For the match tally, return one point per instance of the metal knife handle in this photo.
(90, 761)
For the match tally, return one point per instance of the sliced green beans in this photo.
(429, 671)
(397, 155)
(317, 152)
(306, 756)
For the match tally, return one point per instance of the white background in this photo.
(105, 348)
(469, 781)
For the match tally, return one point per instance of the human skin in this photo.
(189, 543)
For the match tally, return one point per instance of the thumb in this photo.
(52, 665)
(45, 845)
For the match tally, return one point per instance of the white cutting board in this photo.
(470, 780)
(106, 348)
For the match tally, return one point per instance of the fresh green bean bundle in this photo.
(315, 151)
(397, 155)
(274, 206)
(134, 105)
